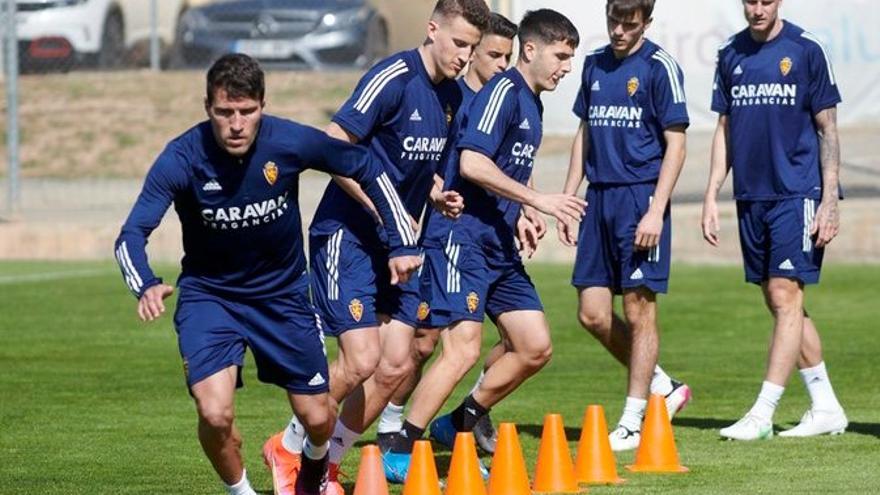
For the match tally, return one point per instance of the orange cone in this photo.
(464, 470)
(555, 471)
(422, 476)
(371, 478)
(657, 452)
(508, 475)
(595, 462)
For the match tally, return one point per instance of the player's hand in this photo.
(710, 223)
(566, 208)
(401, 267)
(151, 305)
(532, 215)
(527, 235)
(414, 224)
(648, 231)
(567, 234)
(827, 223)
(450, 204)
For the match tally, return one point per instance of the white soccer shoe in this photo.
(622, 438)
(815, 422)
(677, 398)
(750, 427)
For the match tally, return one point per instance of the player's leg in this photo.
(357, 359)
(596, 314)
(484, 431)
(316, 415)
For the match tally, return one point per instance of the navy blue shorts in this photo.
(283, 333)
(459, 282)
(351, 285)
(776, 241)
(606, 254)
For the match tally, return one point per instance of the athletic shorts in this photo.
(283, 333)
(606, 254)
(459, 282)
(776, 241)
(351, 285)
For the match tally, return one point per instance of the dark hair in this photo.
(548, 27)
(626, 8)
(238, 74)
(476, 12)
(501, 26)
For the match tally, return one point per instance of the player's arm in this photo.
(573, 179)
(350, 186)
(718, 169)
(651, 224)
(530, 227)
(827, 222)
(449, 203)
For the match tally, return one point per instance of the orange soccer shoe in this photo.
(284, 465)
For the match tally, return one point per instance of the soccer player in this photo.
(490, 57)
(234, 181)
(472, 265)
(776, 96)
(631, 147)
(401, 110)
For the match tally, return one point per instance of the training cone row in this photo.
(657, 452)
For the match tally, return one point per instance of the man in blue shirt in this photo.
(234, 181)
(472, 265)
(776, 96)
(631, 147)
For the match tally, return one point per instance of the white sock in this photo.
(243, 487)
(767, 400)
(293, 436)
(819, 387)
(316, 452)
(343, 439)
(633, 412)
(391, 420)
(661, 383)
(479, 381)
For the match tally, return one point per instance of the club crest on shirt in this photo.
(785, 66)
(449, 114)
(270, 172)
(423, 311)
(473, 300)
(632, 86)
(356, 308)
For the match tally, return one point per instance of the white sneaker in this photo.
(677, 398)
(815, 422)
(622, 438)
(750, 427)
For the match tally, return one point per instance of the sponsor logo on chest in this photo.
(248, 215)
(422, 148)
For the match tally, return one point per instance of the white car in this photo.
(58, 34)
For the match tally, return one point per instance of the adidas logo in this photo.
(317, 380)
(471, 411)
(525, 124)
(738, 70)
(637, 275)
(595, 86)
(403, 433)
(415, 117)
(212, 185)
(786, 265)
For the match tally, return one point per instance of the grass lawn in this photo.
(93, 401)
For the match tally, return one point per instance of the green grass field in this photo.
(92, 401)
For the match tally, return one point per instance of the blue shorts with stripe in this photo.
(283, 333)
(776, 241)
(459, 282)
(351, 285)
(606, 254)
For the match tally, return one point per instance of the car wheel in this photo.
(376, 47)
(112, 43)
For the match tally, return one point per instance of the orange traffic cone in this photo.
(422, 476)
(508, 475)
(657, 452)
(555, 471)
(464, 470)
(595, 462)
(371, 478)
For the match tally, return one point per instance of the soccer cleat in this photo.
(622, 438)
(815, 422)
(332, 486)
(396, 465)
(385, 441)
(444, 433)
(312, 478)
(485, 434)
(283, 465)
(678, 398)
(750, 427)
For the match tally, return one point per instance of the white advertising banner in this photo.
(692, 31)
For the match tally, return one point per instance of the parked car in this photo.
(59, 34)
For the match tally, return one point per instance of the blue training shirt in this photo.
(242, 232)
(626, 104)
(403, 118)
(503, 122)
(771, 92)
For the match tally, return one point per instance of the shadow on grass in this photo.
(703, 423)
(872, 429)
